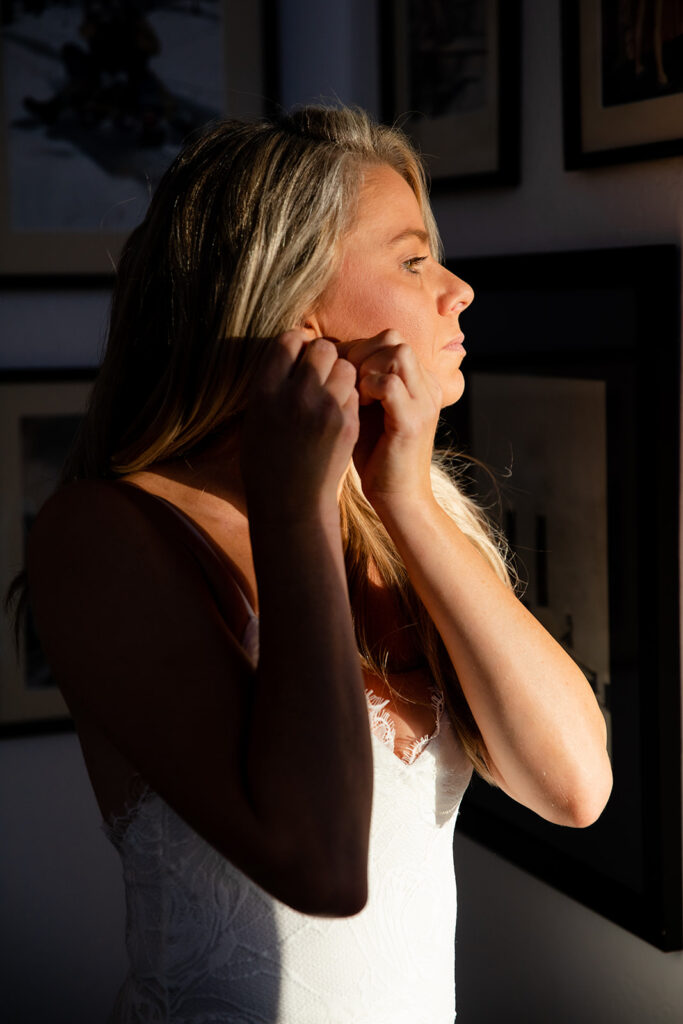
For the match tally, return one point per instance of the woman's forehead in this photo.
(387, 205)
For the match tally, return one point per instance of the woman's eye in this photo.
(413, 265)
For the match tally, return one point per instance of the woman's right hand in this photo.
(300, 428)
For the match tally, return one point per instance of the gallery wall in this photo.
(526, 954)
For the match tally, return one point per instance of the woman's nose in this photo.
(456, 295)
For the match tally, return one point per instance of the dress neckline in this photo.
(384, 730)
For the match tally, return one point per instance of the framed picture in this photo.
(95, 102)
(572, 400)
(623, 81)
(39, 415)
(451, 80)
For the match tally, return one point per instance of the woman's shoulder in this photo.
(81, 513)
(88, 504)
(89, 523)
(98, 534)
(94, 503)
(95, 513)
(90, 530)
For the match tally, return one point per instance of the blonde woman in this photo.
(285, 636)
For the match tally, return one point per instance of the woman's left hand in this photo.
(400, 404)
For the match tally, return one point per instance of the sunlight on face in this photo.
(388, 279)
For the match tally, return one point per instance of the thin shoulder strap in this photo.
(216, 564)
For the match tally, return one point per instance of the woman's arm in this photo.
(537, 714)
(272, 766)
(540, 721)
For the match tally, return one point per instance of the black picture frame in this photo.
(86, 134)
(616, 110)
(39, 414)
(607, 322)
(463, 113)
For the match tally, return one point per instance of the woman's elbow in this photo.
(341, 901)
(588, 798)
(321, 892)
(325, 876)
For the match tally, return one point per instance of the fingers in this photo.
(383, 368)
(304, 414)
(397, 361)
(318, 358)
(391, 392)
(304, 380)
(341, 383)
(361, 349)
(409, 394)
(298, 354)
(281, 357)
(387, 353)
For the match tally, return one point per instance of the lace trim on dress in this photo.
(382, 726)
(116, 825)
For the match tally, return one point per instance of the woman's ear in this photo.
(311, 322)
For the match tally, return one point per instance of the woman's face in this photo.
(388, 279)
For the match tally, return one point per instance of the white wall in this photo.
(526, 954)
(61, 895)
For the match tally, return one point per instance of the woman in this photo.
(259, 443)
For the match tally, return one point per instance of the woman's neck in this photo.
(201, 483)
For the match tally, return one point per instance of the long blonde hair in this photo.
(239, 242)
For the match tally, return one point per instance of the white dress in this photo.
(208, 945)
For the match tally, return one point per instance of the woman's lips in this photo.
(456, 345)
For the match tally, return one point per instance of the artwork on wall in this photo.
(451, 80)
(573, 402)
(39, 415)
(96, 100)
(623, 81)
(549, 433)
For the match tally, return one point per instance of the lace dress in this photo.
(208, 945)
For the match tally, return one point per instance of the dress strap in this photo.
(216, 566)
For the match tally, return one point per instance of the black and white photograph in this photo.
(96, 100)
(642, 50)
(623, 80)
(451, 77)
(39, 416)
(451, 50)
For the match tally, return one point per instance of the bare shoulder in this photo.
(87, 528)
(93, 555)
(95, 532)
(88, 514)
(112, 569)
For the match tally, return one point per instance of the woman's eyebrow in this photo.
(418, 233)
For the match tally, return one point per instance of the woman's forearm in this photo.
(309, 760)
(539, 719)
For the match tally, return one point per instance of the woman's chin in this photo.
(452, 389)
